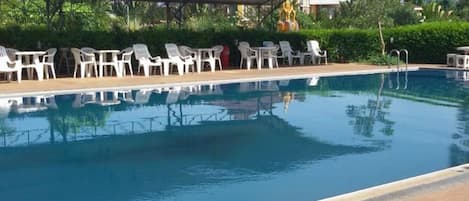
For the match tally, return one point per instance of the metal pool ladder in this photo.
(398, 53)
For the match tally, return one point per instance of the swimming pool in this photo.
(271, 140)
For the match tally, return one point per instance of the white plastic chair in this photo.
(288, 53)
(145, 60)
(48, 62)
(88, 55)
(126, 60)
(247, 54)
(183, 63)
(313, 47)
(84, 61)
(9, 66)
(217, 50)
(272, 57)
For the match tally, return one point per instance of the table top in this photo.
(30, 52)
(204, 49)
(107, 51)
(263, 48)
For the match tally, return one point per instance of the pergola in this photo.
(177, 11)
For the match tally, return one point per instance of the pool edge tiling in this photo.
(446, 184)
(71, 85)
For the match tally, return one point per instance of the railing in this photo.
(147, 125)
(398, 53)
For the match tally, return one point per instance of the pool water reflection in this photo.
(271, 140)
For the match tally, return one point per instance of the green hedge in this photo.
(427, 43)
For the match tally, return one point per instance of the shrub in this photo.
(427, 43)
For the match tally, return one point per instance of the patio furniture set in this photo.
(183, 59)
(459, 60)
(273, 52)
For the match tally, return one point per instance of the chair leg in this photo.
(83, 68)
(52, 68)
(18, 76)
(46, 71)
(130, 69)
(219, 63)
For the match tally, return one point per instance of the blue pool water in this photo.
(270, 140)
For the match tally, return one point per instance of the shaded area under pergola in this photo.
(178, 14)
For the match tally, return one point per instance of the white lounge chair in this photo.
(48, 62)
(126, 60)
(145, 60)
(85, 61)
(8, 66)
(247, 54)
(288, 53)
(313, 47)
(183, 63)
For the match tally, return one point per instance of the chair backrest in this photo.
(11, 53)
(76, 55)
(243, 50)
(141, 51)
(285, 48)
(3, 57)
(172, 50)
(127, 54)
(184, 50)
(50, 53)
(268, 44)
(218, 49)
(244, 44)
(313, 46)
(88, 50)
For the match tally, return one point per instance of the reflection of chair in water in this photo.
(312, 81)
(108, 98)
(462, 76)
(84, 98)
(125, 96)
(173, 95)
(5, 105)
(28, 104)
(143, 96)
(283, 83)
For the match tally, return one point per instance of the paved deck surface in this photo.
(70, 85)
(450, 184)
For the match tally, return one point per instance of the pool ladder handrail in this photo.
(398, 54)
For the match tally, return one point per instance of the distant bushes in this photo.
(427, 43)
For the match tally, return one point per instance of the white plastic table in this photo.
(200, 52)
(36, 64)
(102, 61)
(465, 49)
(260, 52)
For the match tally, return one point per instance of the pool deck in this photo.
(71, 85)
(449, 184)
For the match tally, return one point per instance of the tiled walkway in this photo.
(65, 85)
